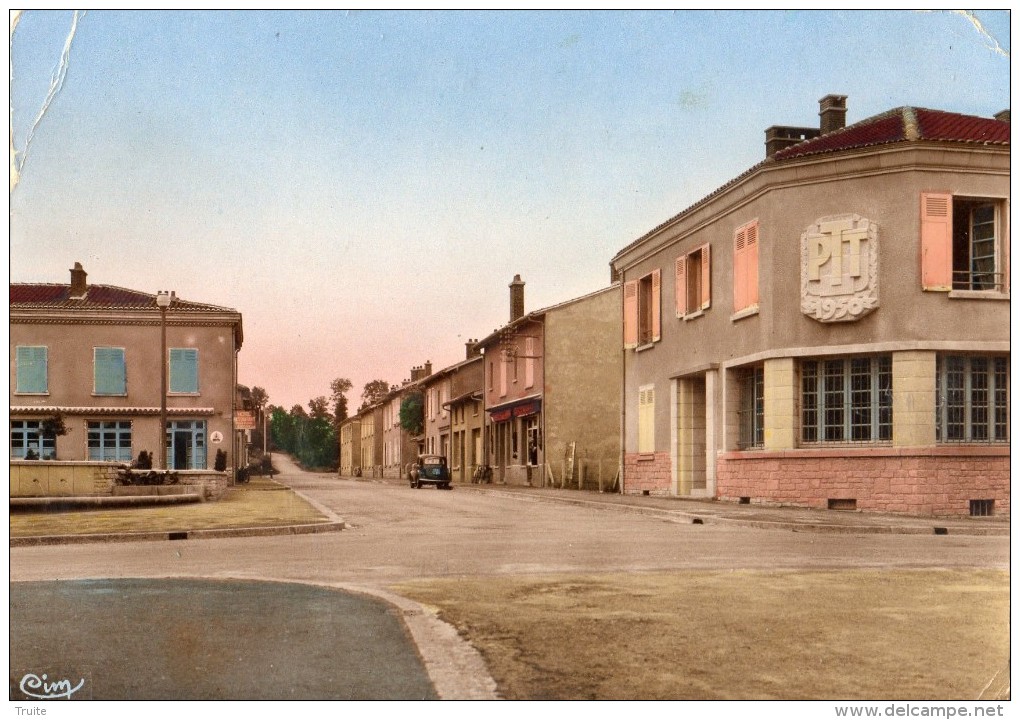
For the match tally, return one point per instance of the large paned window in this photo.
(110, 440)
(32, 374)
(972, 398)
(184, 370)
(846, 400)
(752, 407)
(27, 435)
(642, 311)
(964, 245)
(110, 371)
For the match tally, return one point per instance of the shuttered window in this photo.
(646, 419)
(745, 267)
(630, 314)
(642, 310)
(936, 241)
(694, 281)
(529, 362)
(110, 372)
(32, 369)
(184, 370)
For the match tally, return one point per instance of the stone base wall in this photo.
(647, 472)
(56, 478)
(936, 481)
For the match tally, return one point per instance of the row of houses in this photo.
(830, 329)
(536, 402)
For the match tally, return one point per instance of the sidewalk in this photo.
(716, 512)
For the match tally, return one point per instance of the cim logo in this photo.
(839, 268)
(48, 686)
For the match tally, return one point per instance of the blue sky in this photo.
(363, 186)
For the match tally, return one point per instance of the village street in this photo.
(396, 534)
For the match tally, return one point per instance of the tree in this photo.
(412, 413)
(374, 391)
(259, 397)
(318, 408)
(298, 411)
(339, 389)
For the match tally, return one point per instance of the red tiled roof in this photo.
(905, 123)
(898, 125)
(40, 295)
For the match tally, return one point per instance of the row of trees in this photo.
(310, 436)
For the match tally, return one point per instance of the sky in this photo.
(364, 185)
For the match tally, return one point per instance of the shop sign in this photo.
(527, 409)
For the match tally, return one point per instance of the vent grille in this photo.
(842, 503)
(982, 508)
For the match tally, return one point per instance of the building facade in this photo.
(85, 375)
(830, 328)
(350, 446)
(552, 392)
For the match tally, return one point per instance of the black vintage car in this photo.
(430, 470)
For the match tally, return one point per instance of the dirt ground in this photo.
(261, 503)
(824, 635)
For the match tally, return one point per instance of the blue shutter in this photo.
(183, 370)
(110, 372)
(32, 373)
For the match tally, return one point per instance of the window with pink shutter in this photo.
(630, 314)
(656, 303)
(694, 282)
(936, 241)
(745, 267)
(681, 286)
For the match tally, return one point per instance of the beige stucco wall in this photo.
(883, 186)
(71, 380)
(582, 359)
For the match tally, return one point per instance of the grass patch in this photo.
(260, 504)
(825, 635)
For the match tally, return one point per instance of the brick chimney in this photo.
(471, 349)
(780, 137)
(516, 298)
(427, 370)
(832, 113)
(78, 285)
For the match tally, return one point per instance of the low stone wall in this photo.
(59, 478)
(939, 481)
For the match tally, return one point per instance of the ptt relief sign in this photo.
(839, 268)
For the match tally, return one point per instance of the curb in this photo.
(817, 527)
(212, 533)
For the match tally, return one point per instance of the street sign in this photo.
(244, 420)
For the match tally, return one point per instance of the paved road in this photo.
(210, 640)
(396, 534)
